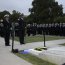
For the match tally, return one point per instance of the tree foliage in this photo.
(13, 17)
(3, 13)
(60, 19)
(45, 10)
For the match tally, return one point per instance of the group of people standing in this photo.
(7, 29)
(48, 29)
(34, 29)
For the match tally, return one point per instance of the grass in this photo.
(63, 44)
(33, 59)
(39, 38)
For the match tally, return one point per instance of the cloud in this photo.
(19, 5)
(63, 4)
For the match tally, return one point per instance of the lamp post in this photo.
(44, 39)
(44, 31)
(12, 36)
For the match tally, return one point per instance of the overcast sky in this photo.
(20, 5)
(63, 3)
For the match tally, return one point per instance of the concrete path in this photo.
(8, 58)
(54, 55)
(53, 43)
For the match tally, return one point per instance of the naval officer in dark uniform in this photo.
(6, 28)
(21, 29)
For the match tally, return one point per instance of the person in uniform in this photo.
(1, 28)
(21, 30)
(28, 29)
(6, 28)
(34, 29)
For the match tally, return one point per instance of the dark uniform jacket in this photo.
(6, 26)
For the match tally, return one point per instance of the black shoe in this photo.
(7, 45)
(22, 43)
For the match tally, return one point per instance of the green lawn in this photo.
(39, 38)
(63, 44)
(33, 59)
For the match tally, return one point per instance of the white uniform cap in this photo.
(6, 15)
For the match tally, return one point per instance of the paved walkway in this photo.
(54, 55)
(53, 43)
(8, 58)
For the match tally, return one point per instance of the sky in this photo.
(18, 5)
(21, 5)
(63, 4)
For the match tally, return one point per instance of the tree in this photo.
(45, 10)
(15, 15)
(28, 19)
(4, 13)
(60, 19)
